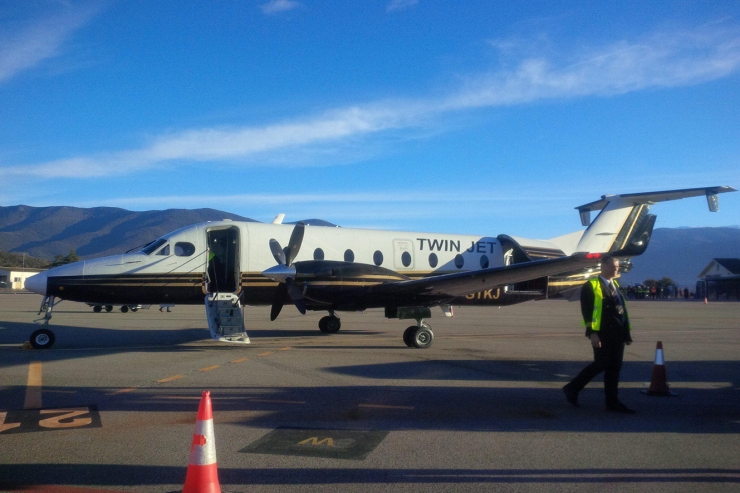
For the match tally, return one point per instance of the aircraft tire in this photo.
(134, 309)
(408, 335)
(330, 325)
(108, 308)
(124, 309)
(42, 339)
(423, 337)
(97, 308)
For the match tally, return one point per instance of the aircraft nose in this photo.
(37, 283)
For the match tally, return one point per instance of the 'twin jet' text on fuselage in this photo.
(437, 245)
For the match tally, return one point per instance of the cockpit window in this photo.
(152, 247)
(184, 249)
(164, 251)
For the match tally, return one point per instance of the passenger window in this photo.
(378, 258)
(349, 256)
(318, 254)
(184, 249)
(484, 262)
(406, 259)
(433, 260)
(164, 252)
(459, 261)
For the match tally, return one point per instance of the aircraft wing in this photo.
(464, 283)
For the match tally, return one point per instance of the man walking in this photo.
(608, 328)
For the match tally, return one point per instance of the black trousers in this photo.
(607, 358)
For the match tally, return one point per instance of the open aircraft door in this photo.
(223, 260)
(223, 309)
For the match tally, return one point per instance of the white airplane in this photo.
(228, 264)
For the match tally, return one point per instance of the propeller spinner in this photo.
(285, 272)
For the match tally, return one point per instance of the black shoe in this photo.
(571, 396)
(618, 407)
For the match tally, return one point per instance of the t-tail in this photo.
(623, 226)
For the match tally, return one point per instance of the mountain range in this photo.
(45, 232)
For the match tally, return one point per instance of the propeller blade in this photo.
(277, 304)
(277, 252)
(296, 295)
(294, 246)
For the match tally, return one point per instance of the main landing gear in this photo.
(419, 336)
(330, 324)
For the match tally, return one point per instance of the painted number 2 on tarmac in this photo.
(30, 420)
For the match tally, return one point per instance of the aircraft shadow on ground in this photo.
(130, 475)
(130, 340)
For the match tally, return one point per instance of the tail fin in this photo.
(623, 226)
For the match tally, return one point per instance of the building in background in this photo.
(15, 277)
(720, 280)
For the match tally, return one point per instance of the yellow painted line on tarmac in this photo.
(240, 360)
(169, 379)
(385, 406)
(265, 353)
(122, 391)
(284, 348)
(33, 386)
(209, 368)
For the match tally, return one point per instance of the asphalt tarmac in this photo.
(112, 405)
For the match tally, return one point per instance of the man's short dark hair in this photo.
(608, 258)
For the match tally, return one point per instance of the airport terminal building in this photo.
(15, 277)
(720, 280)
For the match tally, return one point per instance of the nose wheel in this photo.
(418, 336)
(42, 339)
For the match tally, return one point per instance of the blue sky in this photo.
(464, 117)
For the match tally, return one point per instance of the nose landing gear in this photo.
(44, 338)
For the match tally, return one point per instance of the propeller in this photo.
(284, 273)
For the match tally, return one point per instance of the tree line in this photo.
(14, 260)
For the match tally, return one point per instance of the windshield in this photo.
(151, 247)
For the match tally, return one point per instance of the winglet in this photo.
(278, 219)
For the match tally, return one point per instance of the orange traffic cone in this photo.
(659, 383)
(202, 476)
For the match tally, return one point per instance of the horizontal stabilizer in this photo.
(653, 197)
(624, 225)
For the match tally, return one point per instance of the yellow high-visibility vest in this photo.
(599, 305)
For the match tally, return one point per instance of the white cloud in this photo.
(28, 46)
(662, 60)
(400, 5)
(277, 6)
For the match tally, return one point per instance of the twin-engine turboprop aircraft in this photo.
(230, 264)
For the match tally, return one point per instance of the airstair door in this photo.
(223, 260)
